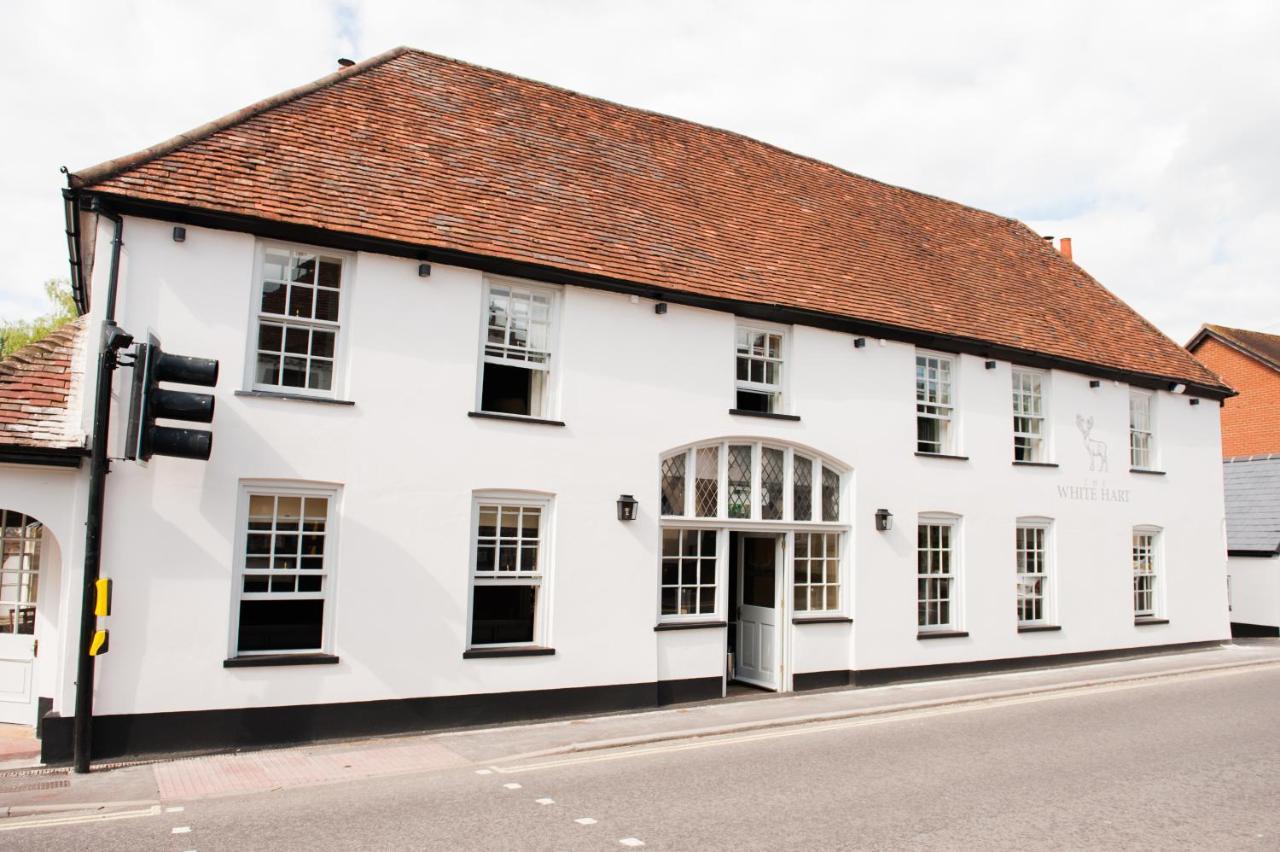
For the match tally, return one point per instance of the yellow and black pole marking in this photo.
(101, 643)
(102, 597)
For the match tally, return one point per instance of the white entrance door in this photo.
(19, 585)
(756, 660)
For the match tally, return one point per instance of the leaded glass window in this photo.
(802, 498)
(688, 572)
(706, 491)
(830, 494)
(298, 321)
(739, 493)
(673, 482)
(771, 487)
(817, 572)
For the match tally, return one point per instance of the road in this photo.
(1189, 762)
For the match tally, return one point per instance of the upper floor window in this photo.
(286, 569)
(298, 321)
(759, 369)
(1031, 542)
(749, 481)
(1028, 416)
(935, 395)
(936, 574)
(515, 371)
(1146, 573)
(509, 571)
(1142, 445)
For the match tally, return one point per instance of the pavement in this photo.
(53, 793)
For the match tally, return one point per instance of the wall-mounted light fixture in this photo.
(1195, 400)
(1177, 387)
(859, 342)
(179, 234)
(990, 365)
(884, 520)
(627, 507)
(424, 270)
(1095, 383)
(660, 308)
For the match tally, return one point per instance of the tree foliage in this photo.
(15, 334)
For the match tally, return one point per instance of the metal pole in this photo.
(99, 465)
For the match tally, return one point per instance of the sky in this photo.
(1148, 132)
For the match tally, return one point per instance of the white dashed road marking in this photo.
(176, 809)
(631, 841)
(545, 801)
(585, 821)
(512, 786)
(185, 829)
(484, 771)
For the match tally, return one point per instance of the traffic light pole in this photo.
(111, 340)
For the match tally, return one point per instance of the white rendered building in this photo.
(461, 317)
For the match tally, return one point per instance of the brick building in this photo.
(1249, 361)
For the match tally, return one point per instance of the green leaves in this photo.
(15, 334)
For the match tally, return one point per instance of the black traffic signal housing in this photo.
(151, 401)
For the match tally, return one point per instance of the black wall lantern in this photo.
(627, 507)
(884, 520)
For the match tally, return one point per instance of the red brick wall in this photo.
(1250, 421)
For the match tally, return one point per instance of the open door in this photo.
(757, 657)
(19, 586)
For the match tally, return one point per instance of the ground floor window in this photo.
(19, 572)
(1145, 573)
(286, 571)
(817, 572)
(935, 574)
(689, 571)
(508, 571)
(1033, 571)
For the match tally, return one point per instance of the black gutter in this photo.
(286, 231)
(43, 456)
(112, 338)
(1264, 554)
(71, 210)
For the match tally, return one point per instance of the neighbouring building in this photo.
(462, 317)
(1250, 362)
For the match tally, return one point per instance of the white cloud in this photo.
(1146, 131)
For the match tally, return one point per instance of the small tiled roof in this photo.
(40, 392)
(427, 151)
(1262, 347)
(1253, 503)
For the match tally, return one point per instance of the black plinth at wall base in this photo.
(1243, 629)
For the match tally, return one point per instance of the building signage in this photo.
(1094, 491)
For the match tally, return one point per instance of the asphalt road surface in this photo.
(1191, 762)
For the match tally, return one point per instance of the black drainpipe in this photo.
(112, 339)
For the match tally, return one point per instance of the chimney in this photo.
(1064, 247)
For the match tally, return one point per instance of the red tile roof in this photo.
(425, 150)
(1259, 345)
(39, 391)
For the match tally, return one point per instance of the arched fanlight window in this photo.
(749, 480)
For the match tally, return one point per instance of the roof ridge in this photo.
(30, 353)
(1232, 338)
(711, 127)
(111, 168)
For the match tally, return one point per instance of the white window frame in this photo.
(1149, 567)
(777, 390)
(718, 606)
(541, 578)
(340, 328)
(1045, 575)
(550, 367)
(1151, 461)
(328, 593)
(943, 413)
(955, 622)
(798, 588)
(789, 452)
(20, 573)
(1038, 443)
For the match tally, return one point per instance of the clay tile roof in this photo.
(1262, 347)
(40, 389)
(428, 151)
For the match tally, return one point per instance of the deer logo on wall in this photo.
(1096, 449)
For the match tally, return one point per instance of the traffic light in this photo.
(151, 402)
